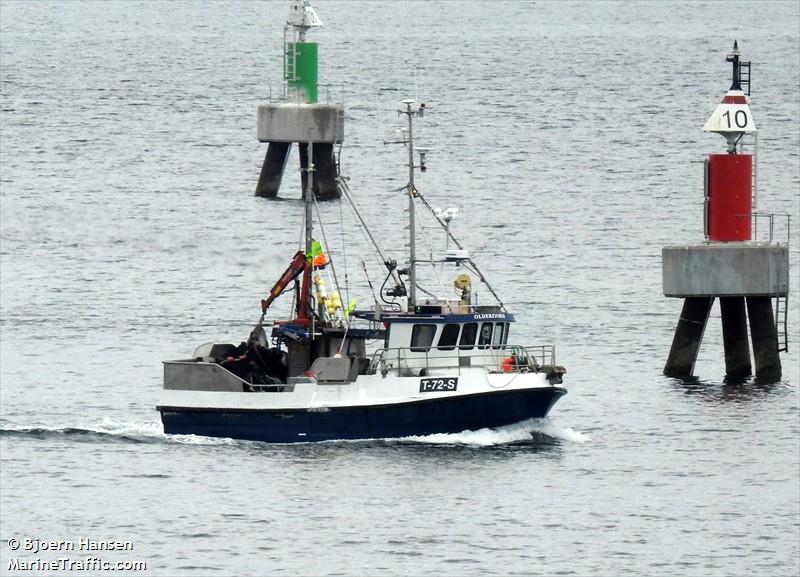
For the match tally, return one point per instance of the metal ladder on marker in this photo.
(782, 310)
(744, 77)
(289, 63)
(782, 313)
(749, 140)
(782, 301)
(291, 67)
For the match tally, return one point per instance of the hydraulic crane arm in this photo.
(298, 265)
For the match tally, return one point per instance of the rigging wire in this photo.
(344, 254)
(327, 246)
(364, 232)
(475, 268)
(369, 282)
(427, 292)
(301, 244)
(429, 246)
(365, 229)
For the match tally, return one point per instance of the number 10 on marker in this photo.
(740, 119)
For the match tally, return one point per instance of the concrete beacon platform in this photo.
(725, 269)
(301, 123)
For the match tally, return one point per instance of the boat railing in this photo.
(543, 355)
(507, 358)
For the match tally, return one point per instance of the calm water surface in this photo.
(569, 135)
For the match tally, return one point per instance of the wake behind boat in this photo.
(406, 366)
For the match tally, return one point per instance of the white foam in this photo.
(145, 431)
(127, 428)
(515, 433)
(564, 433)
(153, 430)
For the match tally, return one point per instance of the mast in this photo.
(308, 286)
(412, 251)
(309, 199)
(412, 193)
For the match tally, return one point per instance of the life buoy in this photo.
(508, 365)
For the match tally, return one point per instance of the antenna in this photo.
(446, 215)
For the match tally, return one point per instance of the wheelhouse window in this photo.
(499, 335)
(468, 334)
(485, 338)
(449, 337)
(422, 337)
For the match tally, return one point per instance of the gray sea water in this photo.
(570, 136)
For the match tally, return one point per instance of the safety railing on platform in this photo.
(768, 221)
(333, 94)
(495, 358)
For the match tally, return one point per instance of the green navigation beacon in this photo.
(299, 116)
(300, 57)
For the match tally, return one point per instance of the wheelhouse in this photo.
(426, 343)
(447, 333)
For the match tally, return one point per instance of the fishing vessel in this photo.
(415, 362)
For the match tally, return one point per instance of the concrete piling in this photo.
(764, 334)
(688, 336)
(327, 173)
(269, 182)
(734, 337)
(325, 185)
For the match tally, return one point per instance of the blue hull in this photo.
(447, 415)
